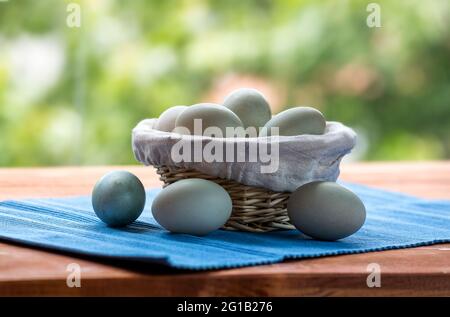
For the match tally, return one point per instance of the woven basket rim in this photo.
(147, 125)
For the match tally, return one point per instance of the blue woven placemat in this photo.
(69, 224)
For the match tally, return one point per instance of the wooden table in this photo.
(417, 271)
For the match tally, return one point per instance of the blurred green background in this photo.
(72, 95)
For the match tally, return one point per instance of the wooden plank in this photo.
(426, 179)
(62, 181)
(418, 271)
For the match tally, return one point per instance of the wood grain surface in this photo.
(421, 271)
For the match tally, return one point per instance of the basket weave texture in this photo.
(254, 209)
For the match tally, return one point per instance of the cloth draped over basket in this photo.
(302, 159)
(258, 188)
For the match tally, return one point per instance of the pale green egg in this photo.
(193, 206)
(296, 121)
(250, 106)
(118, 198)
(208, 115)
(166, 121)
(326, 211)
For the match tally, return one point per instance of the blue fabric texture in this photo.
(69, 224)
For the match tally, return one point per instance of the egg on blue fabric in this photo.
(166, 121)
(326, 211)
(296, 121)
(250, 106)
(118, 198)
(209, 115)
(192, 206)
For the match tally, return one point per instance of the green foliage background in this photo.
(130, 60)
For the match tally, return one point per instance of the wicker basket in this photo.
(259, 199)
(254, 209)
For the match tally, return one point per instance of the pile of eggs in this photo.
(321, 210)
(243, 108)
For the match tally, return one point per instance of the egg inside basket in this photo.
(260, 182)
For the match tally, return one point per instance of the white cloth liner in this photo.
(302, 158)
